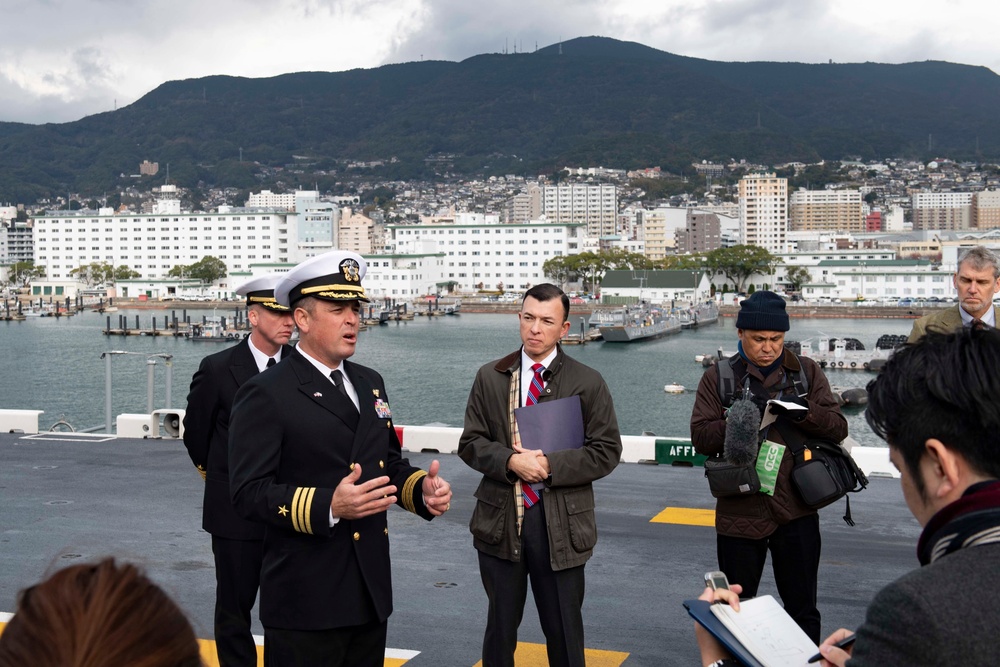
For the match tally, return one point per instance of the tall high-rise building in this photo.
(942, 210)
(986, 209)
(826, 211)
(764, 211)
(701, 233)
(524, 206)
(595, 206)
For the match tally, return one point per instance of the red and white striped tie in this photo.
(534, 391)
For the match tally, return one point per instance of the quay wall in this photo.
(847, 310)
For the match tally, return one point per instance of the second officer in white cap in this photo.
(236, 542)
(315, 457)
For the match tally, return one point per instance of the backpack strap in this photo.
(728, 383)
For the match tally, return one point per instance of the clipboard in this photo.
(701, 611)
(551, 426)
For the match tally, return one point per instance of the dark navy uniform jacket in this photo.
(293, 438)
(206, 435)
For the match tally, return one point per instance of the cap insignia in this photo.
(351, 270)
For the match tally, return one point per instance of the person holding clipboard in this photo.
(541, 427)
(934, 403)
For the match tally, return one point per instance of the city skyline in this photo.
(64, 62)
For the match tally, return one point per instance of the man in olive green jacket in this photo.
(976, 280)
(550, 536)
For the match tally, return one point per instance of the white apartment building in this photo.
(764, 211)
(152, 244)
(878, 280)
(404, 277)
(941, 210)
(826, 210)
(271, 200)
(489, 254)
(595, 206)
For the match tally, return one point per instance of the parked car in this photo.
(906, 303)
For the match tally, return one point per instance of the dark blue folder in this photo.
(551, 426)
(701, 611)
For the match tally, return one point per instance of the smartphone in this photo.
(716, 580)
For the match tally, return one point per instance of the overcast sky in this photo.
(61, 60)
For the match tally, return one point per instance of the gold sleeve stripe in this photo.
(307, 508)
(295, 510)
(407, 495)
(301, 506)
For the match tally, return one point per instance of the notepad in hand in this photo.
(767, 632)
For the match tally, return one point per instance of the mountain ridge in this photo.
(586, 101)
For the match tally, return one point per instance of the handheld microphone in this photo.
(742, 427)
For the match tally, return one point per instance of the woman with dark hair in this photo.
(98, 615)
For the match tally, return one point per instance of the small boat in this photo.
(213, 332)
(674, 388)
(700, 315)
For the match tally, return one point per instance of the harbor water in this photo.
(55, 365)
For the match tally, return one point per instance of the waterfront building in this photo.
(942, 210)
(488, 253)
(826, 210)
(764, 211)
(621, 286)
(154, 243)
(878, 280)
(404, 277)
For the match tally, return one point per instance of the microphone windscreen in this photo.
(742, 427)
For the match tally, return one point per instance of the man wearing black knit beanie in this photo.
(750, 525)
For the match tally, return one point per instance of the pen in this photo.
(843, 643)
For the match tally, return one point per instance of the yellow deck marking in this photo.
(533, 655)
(393, 657)
(686, 516)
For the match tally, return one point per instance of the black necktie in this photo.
(978, 324)
(338, 379)
(271, 362)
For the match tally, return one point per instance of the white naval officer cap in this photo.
(260, 291)
(332, 276)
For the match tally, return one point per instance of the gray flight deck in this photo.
(68, 498)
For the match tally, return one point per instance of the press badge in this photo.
(768, 462)
(382, 409)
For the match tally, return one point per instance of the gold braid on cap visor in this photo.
(335, 291)
(267, 302)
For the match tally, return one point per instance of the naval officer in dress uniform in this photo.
(314, 457)
(236, 542)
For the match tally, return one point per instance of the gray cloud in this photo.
(70, 58)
